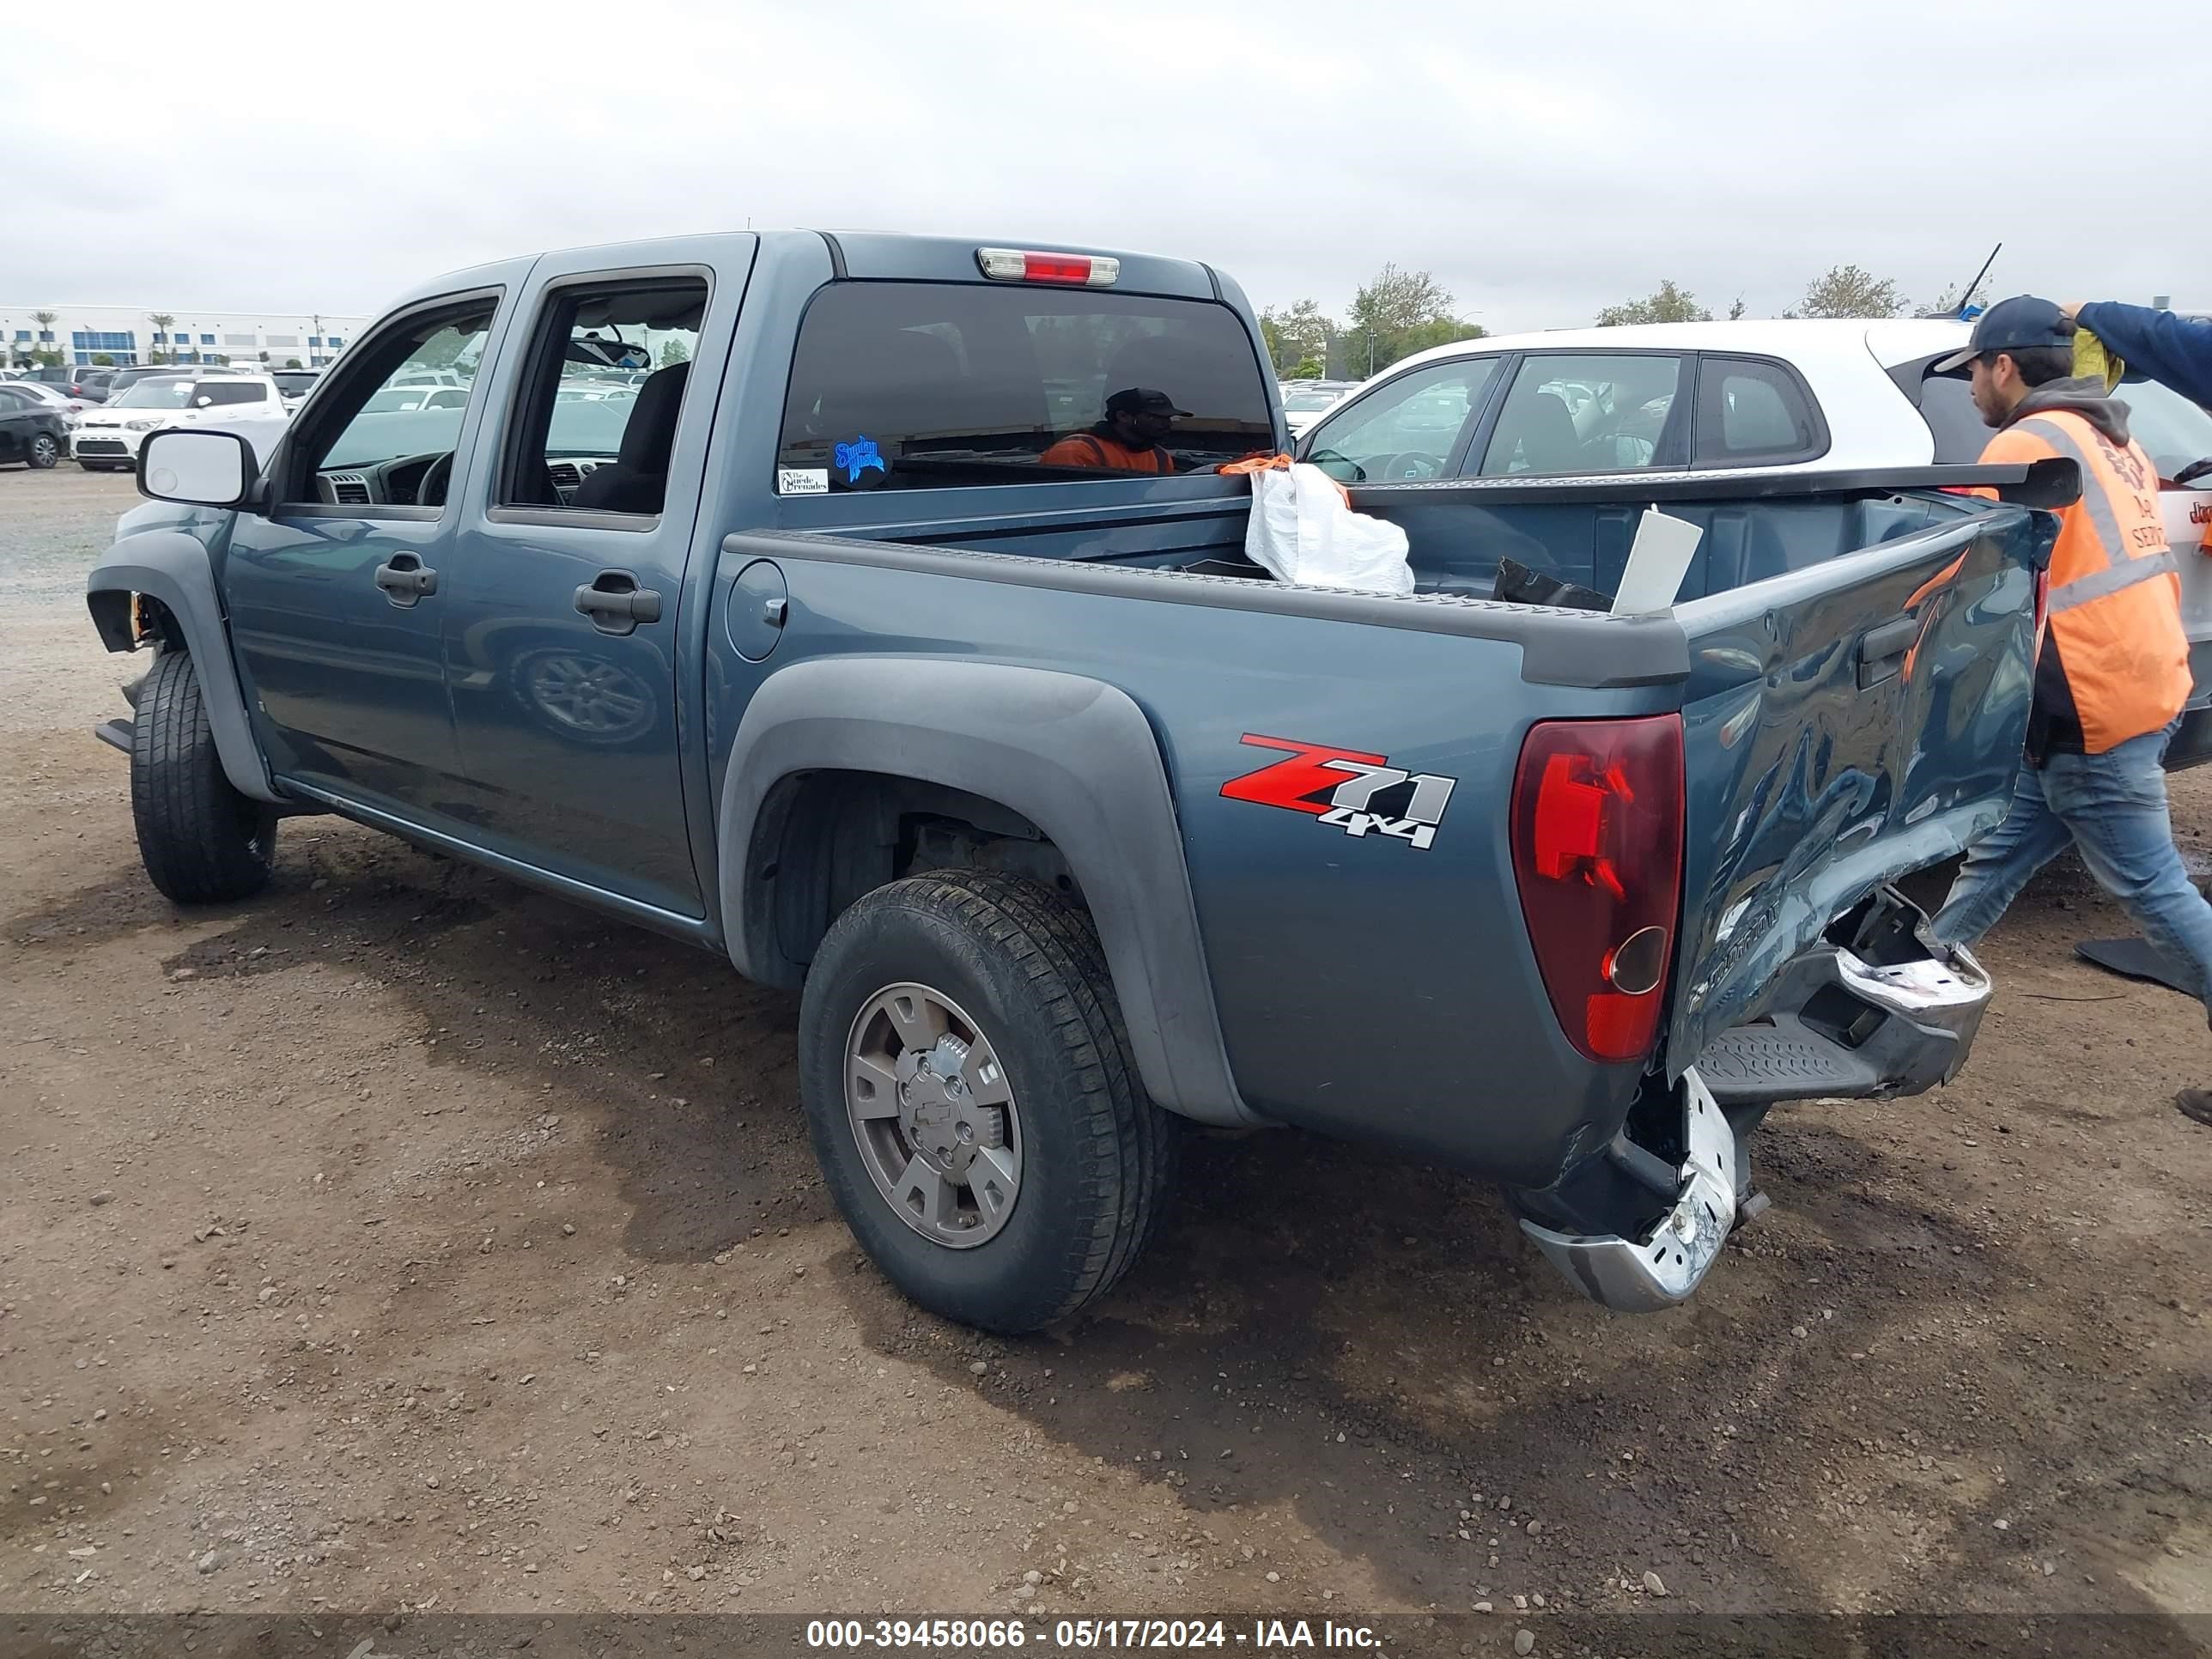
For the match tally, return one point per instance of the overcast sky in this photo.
(1542, 161)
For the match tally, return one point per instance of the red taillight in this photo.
(1598, 854)
(1009, 264)
(2042, 605)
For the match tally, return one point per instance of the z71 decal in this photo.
(1359, 794)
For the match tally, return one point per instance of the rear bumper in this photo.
(1660, 1267)
(1842, 1027)
(1888, 1013)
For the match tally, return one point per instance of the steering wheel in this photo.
(1406, 464)
(431, 492)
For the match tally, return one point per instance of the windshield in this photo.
(292, 384)
(2173, 431)
(156, 394)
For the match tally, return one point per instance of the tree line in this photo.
(1840, 291)
(1400, 312)
(1394, 315)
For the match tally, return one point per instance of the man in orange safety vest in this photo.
(2112, 672)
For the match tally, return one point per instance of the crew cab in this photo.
(1070, 825)
(1785, 396)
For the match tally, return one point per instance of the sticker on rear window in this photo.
(802, 481)
(860, 456)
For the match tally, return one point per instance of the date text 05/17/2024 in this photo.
(1086, 1635)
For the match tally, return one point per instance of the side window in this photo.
(1404, 429)
(1583, 413)
(1753, 413)
(587, 434)
(369, 422)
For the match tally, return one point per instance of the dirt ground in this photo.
(406, 1240)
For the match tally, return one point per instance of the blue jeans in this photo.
(2112, 807)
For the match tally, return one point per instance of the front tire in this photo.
(44, 450)
(972, 1103)
(201, 841)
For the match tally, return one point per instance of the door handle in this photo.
(1882, 648)
(405, 579)
(616, 603)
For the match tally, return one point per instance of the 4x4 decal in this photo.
(1357, 792)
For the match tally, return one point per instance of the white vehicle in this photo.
(294, 384)
(400, 399)
(107, 436)
(1740, 397)
(1305, 402)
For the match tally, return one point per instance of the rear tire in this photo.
(201, 841)
(1022, 972)
(44, 450)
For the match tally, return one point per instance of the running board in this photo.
(1662, 1270)
(115, 733)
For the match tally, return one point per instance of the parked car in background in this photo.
(1744, 397)
(78, 382)
(71, 408)
(33, 430)
(120, 380)
(1305, 402)
(397, 399)
(294, 383)
(107, 440)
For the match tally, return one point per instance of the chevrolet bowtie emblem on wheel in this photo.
(1359, 793)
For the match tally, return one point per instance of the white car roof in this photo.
(1796, 340)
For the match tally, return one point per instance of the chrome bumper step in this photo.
(1661, 1271)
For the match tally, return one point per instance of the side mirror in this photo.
(199, 468)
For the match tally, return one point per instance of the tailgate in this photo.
(1843, 725)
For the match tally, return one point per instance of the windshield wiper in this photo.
(2193, 471)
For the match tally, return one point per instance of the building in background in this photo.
(81, 335)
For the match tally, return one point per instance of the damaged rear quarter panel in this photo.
(1808, 790)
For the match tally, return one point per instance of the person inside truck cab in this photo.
(1130, 439)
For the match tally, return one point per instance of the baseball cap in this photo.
(2015, 324)
(1142, 400)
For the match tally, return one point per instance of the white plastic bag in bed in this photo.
(1303, 531)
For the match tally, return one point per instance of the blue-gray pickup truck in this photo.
(751, 588)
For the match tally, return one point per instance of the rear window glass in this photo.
(917, 386)
(1946, 404)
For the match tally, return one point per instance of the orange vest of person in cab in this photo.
(1128, 439)
(2115, 591)
(1105, 450)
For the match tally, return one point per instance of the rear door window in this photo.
(1754, 412)
(1574, 413)
(1408, 427)
(588, 437)
(919, 386)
